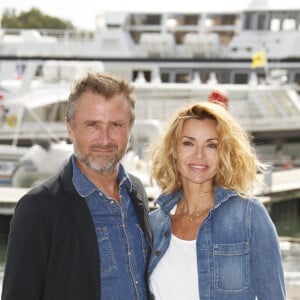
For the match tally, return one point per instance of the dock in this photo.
(9, 197)
(278, 186)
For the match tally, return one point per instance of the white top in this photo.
(175, 276)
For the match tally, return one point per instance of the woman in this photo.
(211, 240)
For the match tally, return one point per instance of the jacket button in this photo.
(157, 253)
(166, 233)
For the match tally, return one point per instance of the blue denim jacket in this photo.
(237, 248)
(122, 245)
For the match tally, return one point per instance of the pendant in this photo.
(190, 218)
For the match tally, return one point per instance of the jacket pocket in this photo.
(231, 267)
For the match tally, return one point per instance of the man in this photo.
(84, 234)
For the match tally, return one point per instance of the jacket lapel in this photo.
(142, 214)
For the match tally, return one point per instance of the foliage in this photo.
(32, 19)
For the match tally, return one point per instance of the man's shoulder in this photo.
(139, 188)
(135, 181)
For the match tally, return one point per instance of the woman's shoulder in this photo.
(157, 216)
(155, 213)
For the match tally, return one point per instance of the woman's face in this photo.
(196, 151)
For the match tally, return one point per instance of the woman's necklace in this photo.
(191, 217)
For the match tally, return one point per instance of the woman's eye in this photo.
(212, 145)
(187, 143)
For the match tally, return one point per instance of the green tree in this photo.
(32, 19)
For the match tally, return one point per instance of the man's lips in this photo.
(98, 149)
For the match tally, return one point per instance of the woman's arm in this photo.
(265, 261)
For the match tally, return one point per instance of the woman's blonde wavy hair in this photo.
(238, 163)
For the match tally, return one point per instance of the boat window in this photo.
(222, 19)
(147, 74)
(144, 19)
(140, 23)
(181, 24)
(183, 19)
(247, 21)
(297, 79)
(262, 22)
(165, 77)
(288, 25)
(19, 71)
(39, 71)
(206, 75)
(240, 78)
(183, 77)
(255, 21)
(275, 25)
(290, 21)
(275, 21)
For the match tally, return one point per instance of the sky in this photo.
(83, 13)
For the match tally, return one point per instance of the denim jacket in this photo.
(123, 248)
(238, 254)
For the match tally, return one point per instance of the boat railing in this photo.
(42, 33)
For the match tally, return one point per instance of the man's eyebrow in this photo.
(123, 122)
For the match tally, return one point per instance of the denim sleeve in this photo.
(266, 262)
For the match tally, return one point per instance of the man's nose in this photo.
(104, 133)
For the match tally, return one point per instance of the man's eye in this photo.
(116, 125)
(91, 124)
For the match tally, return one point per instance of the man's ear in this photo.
(69, 130)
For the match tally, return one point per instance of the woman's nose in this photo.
(199, 151)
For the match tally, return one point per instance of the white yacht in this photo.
(35, 109)
(172, 44)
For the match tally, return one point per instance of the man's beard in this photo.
(104, 164)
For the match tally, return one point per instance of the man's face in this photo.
(101, 132)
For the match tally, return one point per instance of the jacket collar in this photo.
(137, 198)
(222, 195)
(66, 177)
(168, 201)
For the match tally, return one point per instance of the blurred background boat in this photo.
(173, 45)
